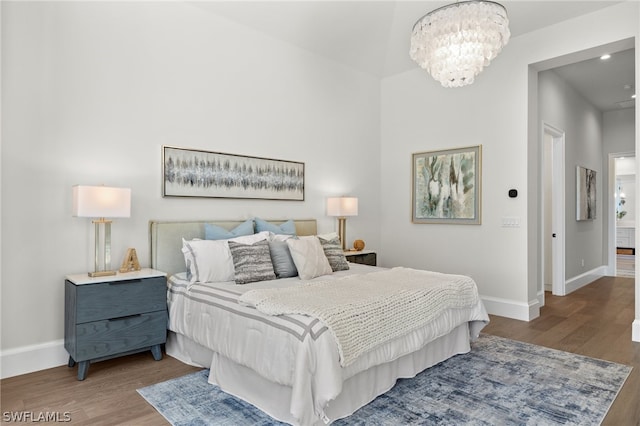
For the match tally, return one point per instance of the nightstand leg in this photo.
(71, 362)
(83, 369)
(156, 351)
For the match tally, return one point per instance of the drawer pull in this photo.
(125, 282)
(125, 317)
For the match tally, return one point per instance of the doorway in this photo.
(554, 211)
(623, 212)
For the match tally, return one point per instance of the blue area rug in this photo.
(500, 382)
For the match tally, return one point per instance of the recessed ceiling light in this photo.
(605, 57)
(633, 96)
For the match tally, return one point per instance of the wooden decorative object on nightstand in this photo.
(365, 257)
(106, 317)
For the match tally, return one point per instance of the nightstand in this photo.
(116, 315)
(365, 257)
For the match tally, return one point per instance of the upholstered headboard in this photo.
(166, 237)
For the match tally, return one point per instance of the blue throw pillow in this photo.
(215, 232)
(287, 228)
(281, 259)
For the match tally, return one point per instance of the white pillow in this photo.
(208, 261)
(279, 237)
(309, 257)
(211, 260)
(250, 239)
(328, 237)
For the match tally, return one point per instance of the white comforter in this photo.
(367, 310)
(292, 350)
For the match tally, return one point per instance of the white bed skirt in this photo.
(275, 399)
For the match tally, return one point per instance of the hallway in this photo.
(625, 265)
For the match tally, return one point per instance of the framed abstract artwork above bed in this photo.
(197, 173)
(446, 186)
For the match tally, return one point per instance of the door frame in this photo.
(558, 282)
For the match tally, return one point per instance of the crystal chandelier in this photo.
(455, 42)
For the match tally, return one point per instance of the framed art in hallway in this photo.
(446, 186)
(197, 173)
(585, 193)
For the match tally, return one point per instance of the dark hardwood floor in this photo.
(594, 321)
(106, 397)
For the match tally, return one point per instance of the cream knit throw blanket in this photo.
(363, 311)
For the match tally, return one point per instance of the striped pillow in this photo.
(335, 255)
(252, 262)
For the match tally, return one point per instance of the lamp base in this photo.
(106, 251)
(342, 231)
(101, 273)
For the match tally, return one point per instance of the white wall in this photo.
(635, 333)
(92, 90)
(619, 138)
(619, 130)
(419, 115)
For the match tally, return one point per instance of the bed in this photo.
(293, 366)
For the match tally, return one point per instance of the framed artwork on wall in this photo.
(585, 193)
(197, 173)
(446, 186)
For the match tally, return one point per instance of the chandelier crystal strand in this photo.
(454, 43)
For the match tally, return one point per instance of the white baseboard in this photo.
(28, 359)
(581, 280)
(512, 309)
(541, 298)
(635, 331)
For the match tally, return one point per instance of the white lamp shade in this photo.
(101, 201)
(342, 206)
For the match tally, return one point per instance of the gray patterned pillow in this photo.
(335, 255)
(252, 262)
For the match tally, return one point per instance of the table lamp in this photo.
(101, 202)
(342, 207)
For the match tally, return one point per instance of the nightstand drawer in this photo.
(113, 336)
(116, 299)
(363, 258)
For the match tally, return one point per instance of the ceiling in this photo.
(607, 84)
(373, 36)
